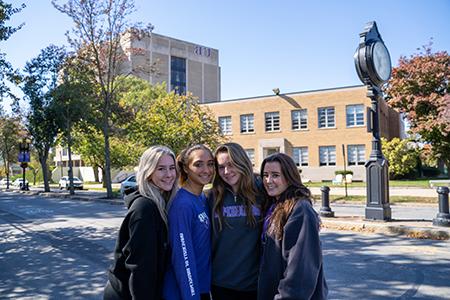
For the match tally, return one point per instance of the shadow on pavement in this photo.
(381, 267)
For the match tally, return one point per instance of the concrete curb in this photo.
(418, 230)
(67, 196)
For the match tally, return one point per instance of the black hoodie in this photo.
(140, 252)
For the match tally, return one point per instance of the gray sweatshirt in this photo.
(236, 249)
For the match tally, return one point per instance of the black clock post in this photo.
(373, 65)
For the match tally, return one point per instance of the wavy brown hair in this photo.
(295, 192)
(247, 189)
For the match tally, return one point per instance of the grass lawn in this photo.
(392, 199)
(419, 183)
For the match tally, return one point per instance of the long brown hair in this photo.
(247, 189)
(295, 192)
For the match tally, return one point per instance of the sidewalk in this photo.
(393, 191)
(410, 220)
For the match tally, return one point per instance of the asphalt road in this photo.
(60, 249)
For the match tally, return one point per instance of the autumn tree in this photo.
(419, 88)
(99, 25)
(10, 132)
(165, 118)
(39, 82)
(88, 142)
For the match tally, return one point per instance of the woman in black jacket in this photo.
(292, 264)
(141, 249)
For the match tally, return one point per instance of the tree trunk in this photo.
(103, 176)
(43, 161)
(107, 169)
(69, 151)
(95, 168)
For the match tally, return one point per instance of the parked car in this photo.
(19, 182)
(64, 183)
(4, 181)
(129, 183)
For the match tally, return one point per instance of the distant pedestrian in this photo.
(235, 202)
(292, 263)
(189, 271)
(140, 254)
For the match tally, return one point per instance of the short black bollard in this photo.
(325, 210)
(443, 217)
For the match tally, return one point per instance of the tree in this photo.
(99, 25)
(419, 87)
(88, 142)
(73, 100)
(39, 83)
(402, 156)
(9, 135)
(6, 70)
(164, 118)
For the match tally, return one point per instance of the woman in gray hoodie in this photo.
(292, 263)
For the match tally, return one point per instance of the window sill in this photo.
(327, 128)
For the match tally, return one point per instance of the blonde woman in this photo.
(140, 254)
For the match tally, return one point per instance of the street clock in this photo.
(372, 59)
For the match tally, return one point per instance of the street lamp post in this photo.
(373, 65)
(24, 159)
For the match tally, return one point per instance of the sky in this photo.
(293, 45)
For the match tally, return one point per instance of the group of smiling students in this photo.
(250, 237)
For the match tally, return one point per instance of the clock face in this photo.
(381, 61)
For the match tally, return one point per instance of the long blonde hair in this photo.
(147, 166)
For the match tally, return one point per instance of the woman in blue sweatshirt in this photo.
(292, 264)
(235, 204)
(189, 271)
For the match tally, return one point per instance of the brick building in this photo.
(310, 126)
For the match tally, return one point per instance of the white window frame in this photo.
(272, 121)
(354, 115)
(327, 156)
(225, 125)
(247, 123)
(301, 156)
(356, 155)
(251, 155)
(299, 119)
(329, 117)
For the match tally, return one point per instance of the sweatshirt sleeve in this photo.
(181, 218)
(302, 250)
(141, 253)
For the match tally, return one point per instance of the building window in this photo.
(326, 117)
(356, 155)
(300, 156)
(299, 119)
(327, 155)
(355, 115)
(272, 121)
(178, 75)
(225, 125)
(251, 155)
(247, 123)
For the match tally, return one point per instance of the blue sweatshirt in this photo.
(189, 270)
